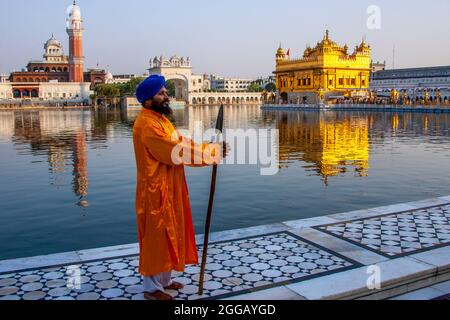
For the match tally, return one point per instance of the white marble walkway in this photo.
(405, 246)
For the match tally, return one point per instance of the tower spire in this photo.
(75, 32)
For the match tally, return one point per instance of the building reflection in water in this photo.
(326, 144)
(80, 176)
(61, 136)
(329, 145)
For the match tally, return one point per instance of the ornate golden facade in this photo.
(323, 72)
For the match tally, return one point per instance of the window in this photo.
(341, 81)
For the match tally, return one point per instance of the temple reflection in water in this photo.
(326, 144)
(329, 145)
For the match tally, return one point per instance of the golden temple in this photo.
(327, 71)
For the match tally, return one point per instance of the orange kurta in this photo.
(164, 218)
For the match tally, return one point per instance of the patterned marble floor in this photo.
(398, 234)
(233, 268)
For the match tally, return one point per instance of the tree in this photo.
(129, 88)
(271, 87)
(109, 93)
(254, 87)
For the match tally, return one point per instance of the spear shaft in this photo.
(219, 127)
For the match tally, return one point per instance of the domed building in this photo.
(54, 51)
(325, 72)
(58, 76)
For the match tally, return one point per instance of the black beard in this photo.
(163, 108)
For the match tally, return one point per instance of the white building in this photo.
(415, 82)
(6, 92)
(4, 78)
(196, 89)
(200, 83)
(124, 78)
(230, 84)
(68, 91)
(179, 71)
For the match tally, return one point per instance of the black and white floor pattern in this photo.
(233, 268)
(398, 234)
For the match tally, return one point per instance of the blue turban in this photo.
(148, 88)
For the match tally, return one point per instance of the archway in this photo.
(34, 93)
(179, 87)
(16, 93)
(25, 93)
(194, 101)
(284, 97)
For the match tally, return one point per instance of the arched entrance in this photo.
(180, 86)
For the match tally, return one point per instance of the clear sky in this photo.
(231, 38)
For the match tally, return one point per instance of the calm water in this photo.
(68, 177)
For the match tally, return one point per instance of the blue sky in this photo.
(232, 38)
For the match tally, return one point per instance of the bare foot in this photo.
(175, 286)
(158, 295)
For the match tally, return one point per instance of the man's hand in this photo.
(220, 152)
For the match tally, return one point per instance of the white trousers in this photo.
(157, 282)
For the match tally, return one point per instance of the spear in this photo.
(219, 127)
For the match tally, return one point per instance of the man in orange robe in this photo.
(165, 229)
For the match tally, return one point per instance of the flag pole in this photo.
(219, 127)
